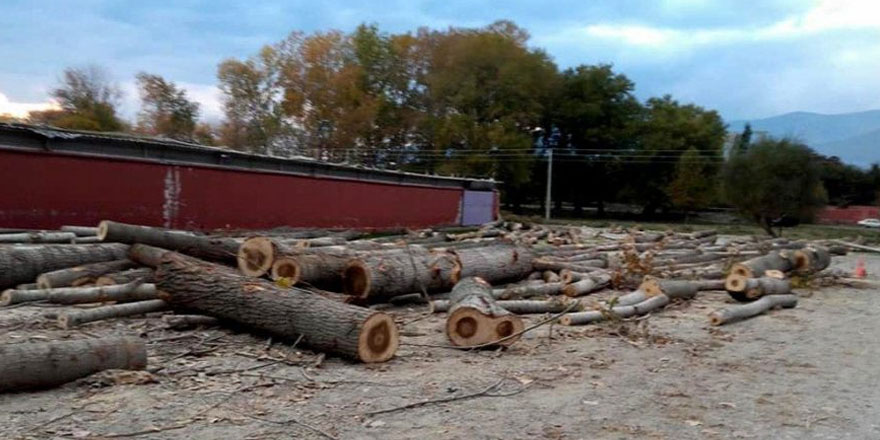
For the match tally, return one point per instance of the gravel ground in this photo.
(804, 373)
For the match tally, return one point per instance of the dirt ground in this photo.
(804, 373)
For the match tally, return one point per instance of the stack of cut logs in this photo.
(326, 287)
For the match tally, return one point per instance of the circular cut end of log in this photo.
(651, 287)
(801, 261)
(565, 320)
(6, 297)
(104, 281)
(735, 283)
(103, 228)
(379, 338)
(467, 327)
(565, 276)
(255, 256)
(356, 279)
(569, 290)
(286, 268)
(741, 269)
(715, 318)
(773, 273)
(43, 282)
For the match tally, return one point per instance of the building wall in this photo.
(847, 216)
(47, 190)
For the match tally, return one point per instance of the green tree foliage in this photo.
(691, 189)
(595, 115)
(774, 179)
(88, 101)
(165, 109)
(668, 130)
(849, 184)
(743, 140)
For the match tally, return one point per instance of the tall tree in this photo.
(165, 109)
(668, 130)
(691, 189)
(743, 140)
(252, 104)
(774, 179)
(88, 100)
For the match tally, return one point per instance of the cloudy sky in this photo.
(747, 59)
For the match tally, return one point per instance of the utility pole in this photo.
(549, 184)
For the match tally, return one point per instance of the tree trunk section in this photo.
(325, 325)
(82, 295)
(474, 317)
(72, 319)
(144, 274)
(748, 289)
(81, 231)
(38, 237)
(528, 290)
(22, 264)
(670, 288)
(495, 264)
(183, 322)
(587, 285)
(79, 275)
(756, 267)
(44, 365)
(213, 249)
(745, 311)
(380, 276)
(618, 312)
(518, 307)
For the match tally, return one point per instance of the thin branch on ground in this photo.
(487, 392)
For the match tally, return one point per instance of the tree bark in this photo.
(326, 325)
(182, 322)
(384, 275)
(518, 307)
(256, 255)
(618, 312)
(44, 365)
(587, 285)
(81, 231)
(580, 266)
(22, 264)
(745, 311)
(474, 317)
(72, 319)
(79, 275)
(144, 274)
(496, 263)
(748, 289)
(670, 288)
(81, 295)
(214, 249)
(38, 237)
(321, 269)
(755, 267)
(528, 290)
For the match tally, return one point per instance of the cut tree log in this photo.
(182, 322)
(384, 275)
(81, 295)
(587, 285)
(672, 288)
(22, 264)
(619, 312)
(550, 277)
(475, 318)
(143, 274)
(79, 275)
(745, 311)
(747, 289)
(256, 255)
(756, 267)
(81, 231)
(209, 248)
(495, 264)
(518, 307)
(321, 269)
(580, 266)
(38, 237)
(631, 298)
(70, 320)
(528, 290)
(48, 364)
(812, 259)
(324, 324)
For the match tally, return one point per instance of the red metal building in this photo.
(56, 177)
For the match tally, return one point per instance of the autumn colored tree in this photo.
(88, 100)
(165, 109)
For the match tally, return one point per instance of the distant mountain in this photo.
(854, 137)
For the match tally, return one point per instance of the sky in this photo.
(746, 59)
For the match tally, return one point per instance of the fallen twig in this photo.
(484, 392)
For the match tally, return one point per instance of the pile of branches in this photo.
(321, 286)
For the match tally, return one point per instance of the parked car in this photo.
(870, 223)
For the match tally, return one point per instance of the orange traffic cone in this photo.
(860, 271)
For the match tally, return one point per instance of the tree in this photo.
(88, 101)
(668, 130)
(691, 190)
(165, 109)
(774, 179)
(741, 145)
(252, 104)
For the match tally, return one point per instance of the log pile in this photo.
(316, 286)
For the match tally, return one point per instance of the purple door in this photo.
(477, 207)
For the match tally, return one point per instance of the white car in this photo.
(870, 223)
